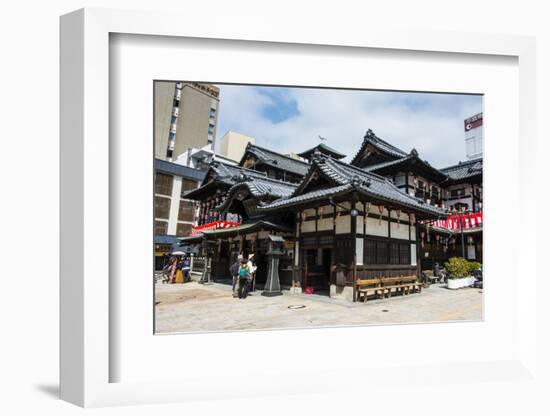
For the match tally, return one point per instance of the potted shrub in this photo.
(459, 272)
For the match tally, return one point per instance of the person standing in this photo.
(186, 268)
(173, 267)
(234, 271)
(244, 276)
(252, 268)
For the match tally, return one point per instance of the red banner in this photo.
(474, 220)
(213, 226)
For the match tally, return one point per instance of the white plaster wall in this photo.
(403, 216)
(309, 212)
(308, 226)
(399, 232)
(374, 228)
(325, 224)
(343, 224)
(360, 223)
(359, 250)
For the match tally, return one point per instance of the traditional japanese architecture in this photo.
(275, 165)
(384, 214)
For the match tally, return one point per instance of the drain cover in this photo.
(385, 310)
(296, 306)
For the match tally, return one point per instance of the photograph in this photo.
(291, 207)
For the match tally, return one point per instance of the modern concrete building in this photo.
(174, 215)
(233, 144)
(201, 158)
(186, 115)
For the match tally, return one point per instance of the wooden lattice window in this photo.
(187, 185)
(161, 227)
(163, 184)
(404, 253)
(162, 207)
(183, 230)
(186, 211)
(394, 253)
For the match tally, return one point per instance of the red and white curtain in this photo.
(474, 220)
(213, 226)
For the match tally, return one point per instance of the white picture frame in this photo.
(86, 305)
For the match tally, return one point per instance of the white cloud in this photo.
(431, 123)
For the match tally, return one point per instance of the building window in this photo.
(183, 230)
(394, 253)
(187, 185)
(162, 207)
(163, 184)
(161, 227)
(210, 129)
(404, 253)
(370, 251)
(186, 211)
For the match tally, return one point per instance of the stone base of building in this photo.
(341, 292)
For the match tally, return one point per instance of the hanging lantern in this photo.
(470, 239)
(398, 212)
(380, 210)
(367, 209)
(304, 215)
(411, 218)
(321, 210)
(422, 239)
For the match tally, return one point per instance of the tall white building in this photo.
(233, 144)
(473, 129)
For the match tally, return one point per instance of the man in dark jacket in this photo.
(234, 270)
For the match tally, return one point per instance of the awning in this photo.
(248, 228)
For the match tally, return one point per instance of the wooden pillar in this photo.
(353, 220)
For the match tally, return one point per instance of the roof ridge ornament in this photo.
(414, 152)
(370, 135)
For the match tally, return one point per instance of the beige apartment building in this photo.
(186, 116)
(233, 145)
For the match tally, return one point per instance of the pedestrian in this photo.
(172, 268)
(179, 270)
(252, 268)
(186, 268)
(234, 271)
(244, 277)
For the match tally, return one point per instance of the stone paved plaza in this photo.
(192, 307)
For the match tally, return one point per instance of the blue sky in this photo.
(292, 119)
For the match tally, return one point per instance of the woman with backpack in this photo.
(244, 276)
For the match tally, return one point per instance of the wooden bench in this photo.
(364, 286)
(384, 286)
(401, 284)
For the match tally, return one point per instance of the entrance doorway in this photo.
(317, 264)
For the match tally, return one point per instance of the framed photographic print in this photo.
(317, 210)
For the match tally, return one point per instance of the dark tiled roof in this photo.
(412, 157)
(377, 142)
(322, 148)
(224, 174)
(260, 188)
(464, 170)
(346, 178)
(277, 160)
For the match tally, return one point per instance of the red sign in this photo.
(474, 220)
(213, 226)
(473, 122)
